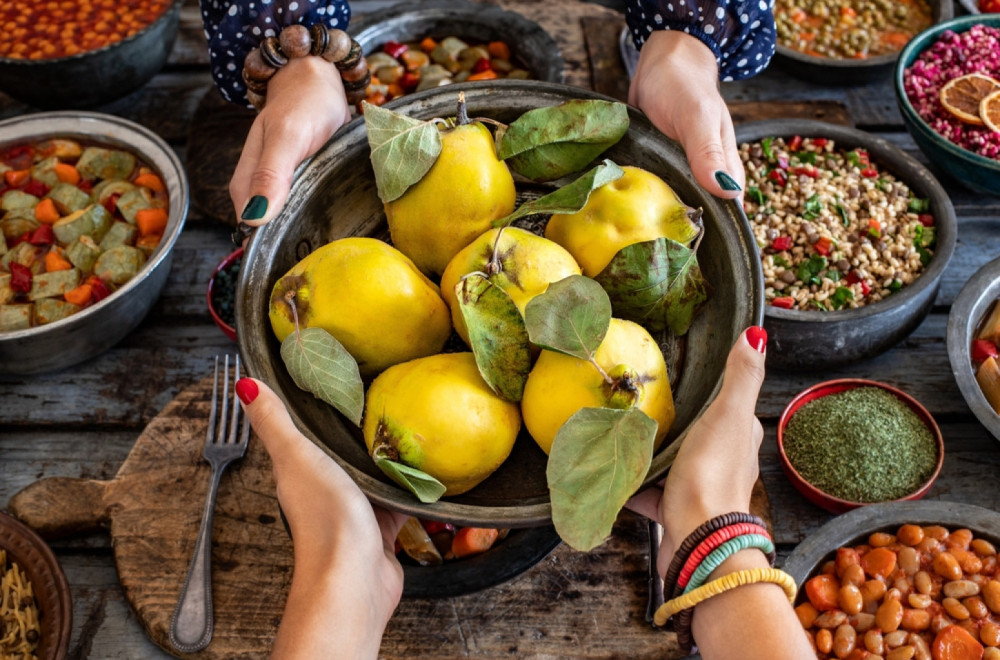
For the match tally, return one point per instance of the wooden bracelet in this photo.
(709, 545)
(334, 46)
(725, 551)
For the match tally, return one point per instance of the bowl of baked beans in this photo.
(853, 235)
(844, 42)
(59, 54)
(914, 580)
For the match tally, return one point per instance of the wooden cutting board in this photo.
(586, 605)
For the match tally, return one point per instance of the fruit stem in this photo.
(493, 266)
(463, 111)
(290, 301)
(604, 374)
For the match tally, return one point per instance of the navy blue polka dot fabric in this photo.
(739, 32)
(234, 27)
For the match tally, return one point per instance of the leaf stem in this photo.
(604, 374)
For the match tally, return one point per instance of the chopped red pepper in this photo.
(786, 302)
(874, 228)
(99, 290)
(36, 188)
(823, 245)
(42, 236)
(20, 277)
(807, 170)
(865, 288)
(783, 162)
(112, 202)
(410, 80)
(863, 156)
(853, 277)
(26, 236)
(395, 49)
(777, 176)
(983, 349)
(869, 173)
(819, 142)
(482, 64)
(435, 526)
(86, 185)
(926, 219)
(782, 243)
(795, 143)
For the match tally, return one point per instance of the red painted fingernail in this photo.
(757, 337)
(247, 390)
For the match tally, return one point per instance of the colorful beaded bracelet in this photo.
(722, 584)
(334, 46)
(708, 545)
(724, 552)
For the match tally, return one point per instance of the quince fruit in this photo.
(636, 375)
(369, 296)
(465, 190)
(637, 207)
(437, 414)
(521, 263)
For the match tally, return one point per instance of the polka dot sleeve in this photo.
(740, 32)
(234, 27)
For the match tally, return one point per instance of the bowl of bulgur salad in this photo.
(853, 234)
(935, 63)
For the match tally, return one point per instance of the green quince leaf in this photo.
(424, 486)
(598, 460)
(658, 284)
(497, 335)
(403, 149)
(571, 316)
(570, 198)
(320, 364)
(547, 143)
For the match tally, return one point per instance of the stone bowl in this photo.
(805, 340)
(967, 313)
(531, 46)
(334, 196)
(836, 71)
(974, 171)
(92, 331)
(95, 77)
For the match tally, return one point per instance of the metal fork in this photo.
(192, 622)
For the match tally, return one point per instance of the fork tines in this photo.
(226, 432)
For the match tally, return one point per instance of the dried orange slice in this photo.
(989, 111)
(962, 96)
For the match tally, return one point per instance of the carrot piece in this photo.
(46, 211)
(473, 540)
(896, 39)
(151, 181)
(499, 50)
(955, 643)
(823, 592)
(16, 178)
(488, 74)
(879, 562)
(55, 261)
(848, 10)
(79, 296)
(148, 241)
(428, 44)
(151, 221)
(67, 173)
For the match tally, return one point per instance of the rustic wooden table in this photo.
(83, 421)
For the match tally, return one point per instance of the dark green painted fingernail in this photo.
(727, 182)
(257, 206)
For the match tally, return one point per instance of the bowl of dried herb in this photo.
(850, 442)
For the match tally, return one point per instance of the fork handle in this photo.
(192, 622)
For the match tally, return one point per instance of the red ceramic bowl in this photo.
(825, 500)
(229, 330)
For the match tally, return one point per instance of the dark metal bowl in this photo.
(334, 196)
(967, 312)
(799, 339)
(94, 77)
(97, 328)
(835, 71)
(531, 46)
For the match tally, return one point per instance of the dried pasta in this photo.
(19, 630)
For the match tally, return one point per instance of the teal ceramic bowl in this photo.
(974, 171)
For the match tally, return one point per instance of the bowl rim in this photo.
(945, 13)
(916, 47)
(830, 502)
(43, 570)
(227, 261)
(99, 124)
(940, 201)
(961, 328)
(172, 8)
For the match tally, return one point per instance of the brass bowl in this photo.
(334, 196)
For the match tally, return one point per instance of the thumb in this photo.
(745, 371)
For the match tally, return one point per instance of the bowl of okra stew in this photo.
(853, 235)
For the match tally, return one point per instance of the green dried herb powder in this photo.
(862, 445)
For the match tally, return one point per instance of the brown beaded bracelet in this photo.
(334, 46)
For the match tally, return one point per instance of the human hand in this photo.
(676, 85)
(347, 581)
(716, 466)
(306, 104)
